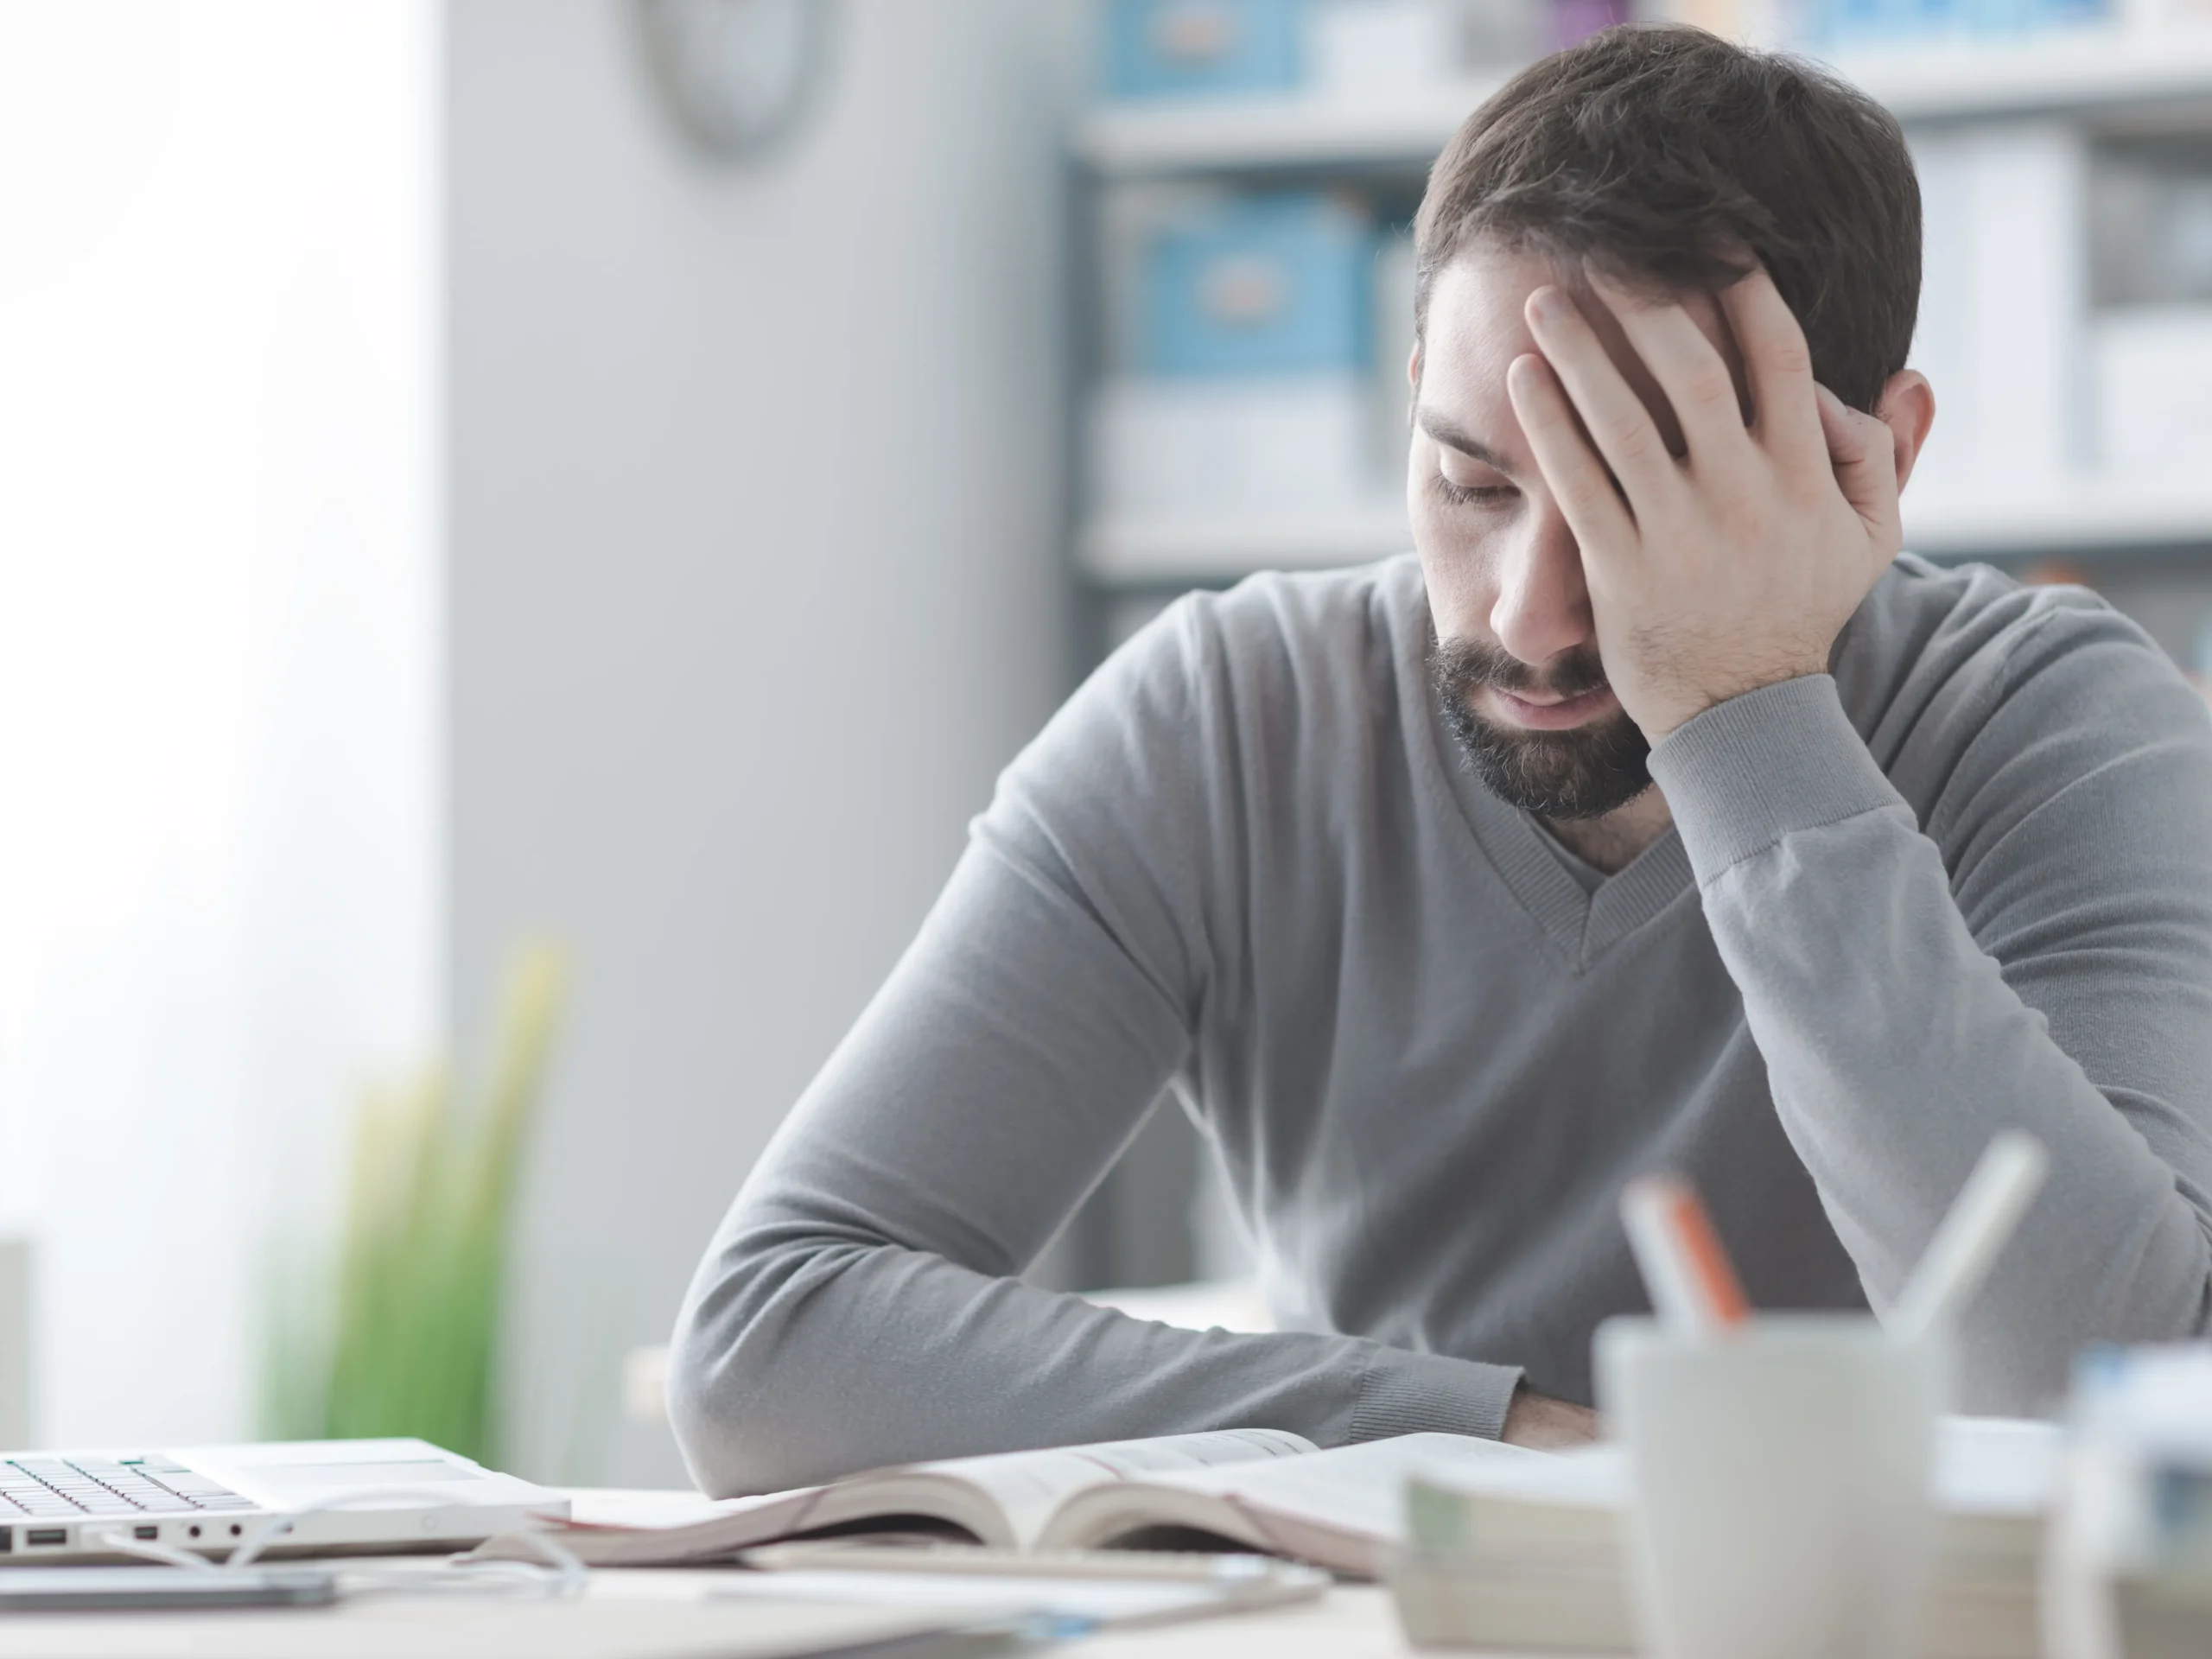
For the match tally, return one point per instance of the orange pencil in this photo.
(1693, 1285)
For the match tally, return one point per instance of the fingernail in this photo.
(1549, 303)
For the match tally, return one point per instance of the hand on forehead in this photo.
(1476, 325)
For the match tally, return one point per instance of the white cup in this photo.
(1782, 1474)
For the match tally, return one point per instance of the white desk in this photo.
(646, 1613)
(1349, 1622)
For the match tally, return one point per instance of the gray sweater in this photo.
(1965, 883)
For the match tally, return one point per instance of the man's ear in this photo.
(1413, 369)
(1907, 408)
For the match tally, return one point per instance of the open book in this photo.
(1252, 1488)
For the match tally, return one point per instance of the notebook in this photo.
(1254, 1489)
(1530, 1555)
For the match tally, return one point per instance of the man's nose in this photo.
(1542, 607)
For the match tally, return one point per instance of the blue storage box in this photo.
(1276, 285)
(1197, 48)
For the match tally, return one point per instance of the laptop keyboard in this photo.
(61, 1489)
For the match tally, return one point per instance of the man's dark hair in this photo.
(1672, 159)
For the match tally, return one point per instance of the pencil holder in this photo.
(1781, 1472)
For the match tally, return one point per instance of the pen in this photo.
(1976, 1226)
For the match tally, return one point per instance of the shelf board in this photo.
(2100, 517)
(1263, 133)
(1151, 552)
(2077, 71)
(2074, 70)
(2096, 519)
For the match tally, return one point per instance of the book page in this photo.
(1029, 1486)
(1351, 1488)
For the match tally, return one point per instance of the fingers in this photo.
(1618, 423)
(1862, 452)
(1785, 415)
(1579, 481)
(1690, 371)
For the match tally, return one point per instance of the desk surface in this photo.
(652, 1613)
(1348, 1622)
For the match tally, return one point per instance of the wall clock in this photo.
(737, 76)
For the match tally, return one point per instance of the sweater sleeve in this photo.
(859, 1304)
(2048, 967)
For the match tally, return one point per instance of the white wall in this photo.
(755, 583)
(217, 660)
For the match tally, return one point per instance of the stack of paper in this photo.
(1530, 1555)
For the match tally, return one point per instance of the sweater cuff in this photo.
(1748, 771)
(1406, 1393)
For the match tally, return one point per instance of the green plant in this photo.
(402, 1337)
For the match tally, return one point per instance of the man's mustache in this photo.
(1460, 665)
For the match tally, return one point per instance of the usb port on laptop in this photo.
(145, 1532)
(36, 1536)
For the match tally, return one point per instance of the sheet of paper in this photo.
(607, 1506)
(1998, 1465)
(1984, 1465)
(471, 1627)
(1105, 1601)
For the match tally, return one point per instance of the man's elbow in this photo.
(746, 1415)
(735, 1424)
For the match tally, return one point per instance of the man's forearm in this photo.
(808, 1360)
(1896, 1046)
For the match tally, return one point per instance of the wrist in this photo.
(1762, 766)
(1670, 714)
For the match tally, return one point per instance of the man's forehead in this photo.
(1476, 325)
(1480, 297)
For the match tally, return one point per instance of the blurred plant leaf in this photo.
(400, 1335)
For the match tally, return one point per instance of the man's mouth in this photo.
(1546, 711)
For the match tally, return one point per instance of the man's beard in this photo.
(1582, 772)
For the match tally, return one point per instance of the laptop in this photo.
(332, 1496)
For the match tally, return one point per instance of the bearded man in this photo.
(1656, 812)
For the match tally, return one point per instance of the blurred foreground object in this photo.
(644, 1385)
(405, 1341)
(2132, 1556)
(15, 1341)
(738, 76)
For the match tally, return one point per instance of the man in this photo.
(1657, 814)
